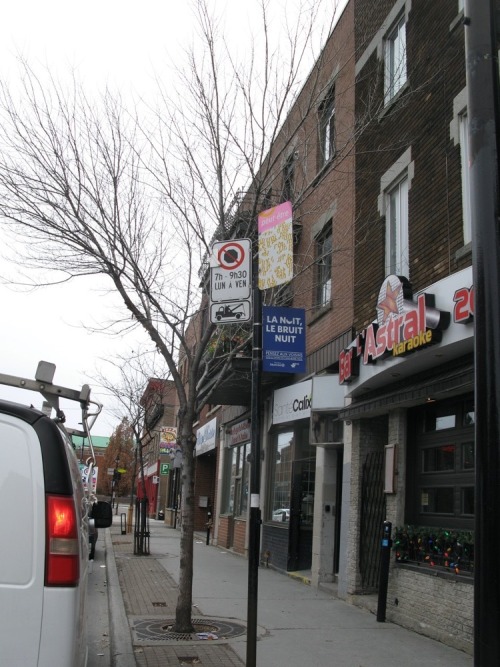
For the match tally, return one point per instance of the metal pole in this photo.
(254, 528)
(385, 560)
(482, 91)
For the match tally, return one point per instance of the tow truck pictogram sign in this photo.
(230, 281)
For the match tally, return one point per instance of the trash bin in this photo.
(161, 515)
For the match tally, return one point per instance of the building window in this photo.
(395, 59)
(441, 465)
(323, 283)
(396, 247)
(292, 476)
(327, 128)
(288, 179)
(236, 500)
(463, 124)
(459, 134)
(282, 477)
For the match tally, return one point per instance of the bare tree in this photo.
(103, 189)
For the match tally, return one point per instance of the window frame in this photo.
(327, 130)
(323, 265)
(460, 479)
(397, 259)
(235, 499)
(463, 128)
(395, 59)
(459, 135)
(287, 189)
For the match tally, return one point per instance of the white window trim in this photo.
(399, 241)
(395, 62)
(377, 42)
(402, 169)
(458, 138)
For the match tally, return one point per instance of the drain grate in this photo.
(155, 630)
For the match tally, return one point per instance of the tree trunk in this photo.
(183, 612)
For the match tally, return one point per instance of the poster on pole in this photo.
(168, 440)
(283, 340)
(275, 246)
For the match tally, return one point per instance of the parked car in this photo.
(45, 527)
(281, 515)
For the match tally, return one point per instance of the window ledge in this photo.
(389, 106)
(437, 571)
(318, 313)
(458, 20)
(464, 252)
(323, 171)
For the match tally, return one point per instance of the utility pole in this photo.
(255, 521)
(482, 91)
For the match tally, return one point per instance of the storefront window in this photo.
(437, 501)
(293, 476)
(438, 459)
(236, 500)
(282, 477)
(441, 465)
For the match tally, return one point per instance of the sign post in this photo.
(255, 521)
(480, 19)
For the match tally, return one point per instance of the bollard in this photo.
(130, 513)
(385, 557)
(123, 523)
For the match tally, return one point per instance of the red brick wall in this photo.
(240, 528)
(225, 531)
(420, 118)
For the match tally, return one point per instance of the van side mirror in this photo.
(102, 513)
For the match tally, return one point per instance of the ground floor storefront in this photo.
(409, 439)
(390, 438)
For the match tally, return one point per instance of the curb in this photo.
(121, 649)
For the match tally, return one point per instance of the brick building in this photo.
(158, 474)
(312, 162)
(408, 372)
(373, 157)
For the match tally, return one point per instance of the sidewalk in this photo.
(297, 624)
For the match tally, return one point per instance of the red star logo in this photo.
(389, 304)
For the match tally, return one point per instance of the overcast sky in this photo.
(125, 44)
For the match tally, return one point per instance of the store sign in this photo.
(403, 326)
(240, 433)
(205, 437)
(293, 402)
(168, 440)
(284, 340)
(463, 311)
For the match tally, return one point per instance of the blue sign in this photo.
(284, 340)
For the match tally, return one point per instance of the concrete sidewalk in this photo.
(298, 625)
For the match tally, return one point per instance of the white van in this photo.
(45, 544)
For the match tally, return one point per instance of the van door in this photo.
(22, 526)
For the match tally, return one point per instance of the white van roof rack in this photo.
(43, 383)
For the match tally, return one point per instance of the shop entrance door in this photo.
(301, 515)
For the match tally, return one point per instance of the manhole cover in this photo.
(155, 630)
